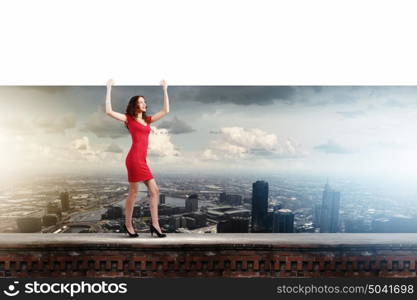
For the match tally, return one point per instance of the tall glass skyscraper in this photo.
(329, 217)
(260, 191)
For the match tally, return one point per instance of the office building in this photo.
(191, 203)
(259, 206)
(329, 216)
(283, 221)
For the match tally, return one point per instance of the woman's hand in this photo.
(164, 84)
(110, 82)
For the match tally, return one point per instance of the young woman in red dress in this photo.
(137, 122)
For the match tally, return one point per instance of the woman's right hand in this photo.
(164, 84)
(110, 82)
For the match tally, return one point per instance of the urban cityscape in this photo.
(205, 204)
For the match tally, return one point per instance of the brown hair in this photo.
(132, 108)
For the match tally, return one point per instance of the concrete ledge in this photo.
(208, 255)
(229, 240)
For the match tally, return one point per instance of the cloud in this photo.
(81, 144)
(215, 131)
(56, 124)
(241, 143)
(18, 125)
(389, 145)
(114, 148)
(104, 126)
(76, 150)
(80, 149)
(209, 154)
(176, 126)
(331, 95)
(351, 114)
(332, 147)
(37, 150)
(51, 124)
(394, 103)
(240, 95)
(160, 144)
(45, 89)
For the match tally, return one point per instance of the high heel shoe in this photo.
(153, 229)
(130, 234)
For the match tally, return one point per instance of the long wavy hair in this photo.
(133, 109)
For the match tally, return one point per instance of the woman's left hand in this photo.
(164, 84)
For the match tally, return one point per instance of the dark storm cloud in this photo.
(256, 95)
(240, 95)
(351, 114)
(85, 100)
(176, 126)
(186, 98)
(332, 147)
(325, 95)
(121, 95)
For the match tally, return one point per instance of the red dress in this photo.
(137, 168)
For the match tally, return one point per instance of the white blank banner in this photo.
(208, 43)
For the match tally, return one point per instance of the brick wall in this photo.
(217, 255)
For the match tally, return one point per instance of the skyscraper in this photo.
(64, 196)
(161, 198)
(283, 221)
(191, 203)
(259, 206)
(222, 197)
(316, 215)
(230, 199)
(329, 217)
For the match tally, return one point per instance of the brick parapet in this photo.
(208, 255)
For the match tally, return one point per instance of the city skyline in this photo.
(274, 204)
(333, 129)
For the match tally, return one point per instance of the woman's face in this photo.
(141, 104)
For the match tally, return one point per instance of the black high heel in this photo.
(130, 234)
(153, 229)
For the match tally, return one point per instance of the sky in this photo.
(314, 129)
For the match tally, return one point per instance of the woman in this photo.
(137, 122)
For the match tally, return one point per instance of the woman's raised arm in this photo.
(109, 110)
(165, 108)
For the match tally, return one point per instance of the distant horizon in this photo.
(383, 181)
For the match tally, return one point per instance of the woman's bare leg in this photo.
(153, 202)
(130, 201)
